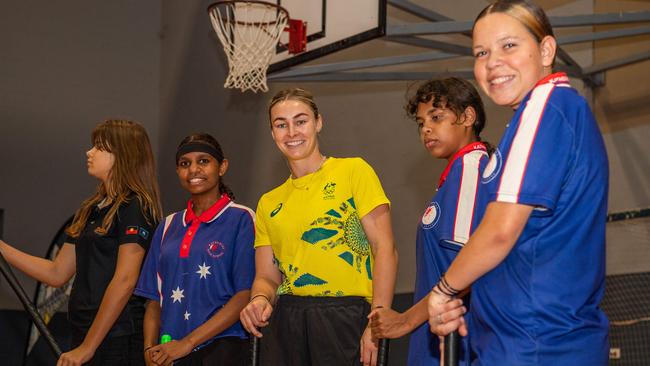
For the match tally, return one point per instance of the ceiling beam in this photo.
(598, 36)
(377, 76)
(360, 64)
(446, 27)
(608, 65)
(432, 44)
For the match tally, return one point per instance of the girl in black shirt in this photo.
(106, 244)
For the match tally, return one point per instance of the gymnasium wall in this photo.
(623, 112)
(65, 66)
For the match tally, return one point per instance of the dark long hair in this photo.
(454, 94)
(206, 138)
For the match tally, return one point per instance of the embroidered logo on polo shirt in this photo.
(216, 249)
(276, 210)
(328, 191)
(493, 168)
(431, 215)
(131, 230)
(143, 233)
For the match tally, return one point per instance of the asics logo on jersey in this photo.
(276, 210)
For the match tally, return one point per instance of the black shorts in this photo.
(225, 351)
(314, 331)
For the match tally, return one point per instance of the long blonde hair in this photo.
(133, 173)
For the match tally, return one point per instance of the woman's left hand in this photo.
(368, 349)
(165, 354)
(76, 357)
(446, 314)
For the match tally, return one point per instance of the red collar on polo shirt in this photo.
(467, 149)
(557, 78)
(194, 221)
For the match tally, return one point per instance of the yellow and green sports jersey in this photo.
(313, 224)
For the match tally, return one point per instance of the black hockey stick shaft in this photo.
(382, 353)
(255, 351)
(452, 343)
(29, 307)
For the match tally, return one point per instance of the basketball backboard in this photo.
(331, 26)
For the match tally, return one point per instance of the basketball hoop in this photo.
(249, 32)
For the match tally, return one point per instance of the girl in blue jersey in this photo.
(537, 259)
(450, 117)
(198, 273)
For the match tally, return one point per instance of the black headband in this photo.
(198, 147)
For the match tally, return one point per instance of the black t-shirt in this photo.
(96, 259)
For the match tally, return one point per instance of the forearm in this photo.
(489, 245)
(264, 286)
(383, 276)
(151, 326)
(221, 320)
(417, 314)
(115, 298)
(40, 269)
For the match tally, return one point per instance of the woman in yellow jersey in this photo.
(324, 249)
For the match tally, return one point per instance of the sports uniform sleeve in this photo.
(466, 197)
(132, 225)
(70, 239)
(538, 156)
(243, 270)
(366, 188)
(261, 233)
(148, 282)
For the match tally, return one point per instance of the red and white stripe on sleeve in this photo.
(514, 167)
(467, 195)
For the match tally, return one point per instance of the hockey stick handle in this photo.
(382, 353)
(255, 351)
(452, 342)
(29, 307)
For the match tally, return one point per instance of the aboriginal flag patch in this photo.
(131, 230)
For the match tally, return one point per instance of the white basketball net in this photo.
(249, 33)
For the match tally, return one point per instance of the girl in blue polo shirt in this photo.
(537, 259)
(198, 273)
(450, 117)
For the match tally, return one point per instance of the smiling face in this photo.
(99, 162)
(295, 128)
(508, 59)
(442, 132)
(200, 173)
